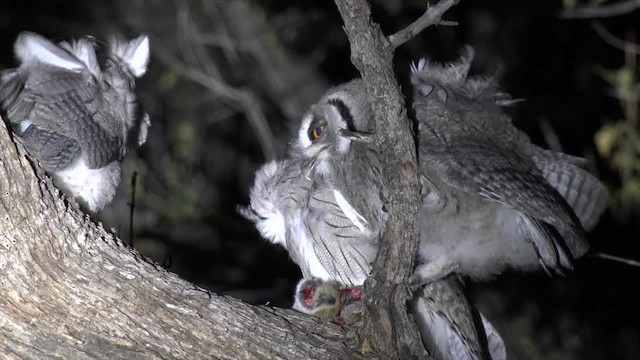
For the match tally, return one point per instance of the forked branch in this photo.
(432, 16)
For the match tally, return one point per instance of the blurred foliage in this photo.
(619, 141)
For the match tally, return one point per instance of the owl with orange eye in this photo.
(333, 148)
(334, 130)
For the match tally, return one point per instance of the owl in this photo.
(493, 199)
(74, 108)
(325, 198)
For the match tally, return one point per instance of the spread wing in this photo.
(498, 173)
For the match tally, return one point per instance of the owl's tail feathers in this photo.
(446, 323)
(554, 253)
(583, 192)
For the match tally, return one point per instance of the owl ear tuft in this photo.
(134, 54)
(32, 48)
(84, 50)
(137, 55)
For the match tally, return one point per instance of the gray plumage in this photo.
(304, 217)
(303, 201)
(323, 204)
(345, 215)
(339, 157)
(491, 198)
(75, 111)
(494, 199)
(277, 199)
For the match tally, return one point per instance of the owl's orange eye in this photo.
(317, 132)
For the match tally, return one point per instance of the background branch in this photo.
(614, 41)
(600, 11)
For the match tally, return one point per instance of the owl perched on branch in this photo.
(73, 106)
(491, 200)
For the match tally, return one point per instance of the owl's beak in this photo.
(356, 135)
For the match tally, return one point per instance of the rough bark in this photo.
(71, 290)
(385, 293)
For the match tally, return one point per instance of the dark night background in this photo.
(216, 64)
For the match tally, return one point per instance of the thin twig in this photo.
(217, 16)
(432, 16)
(613, 40)
(616, 259)
(201, 69)
(193, 45)
(600, 11)
(223, 42)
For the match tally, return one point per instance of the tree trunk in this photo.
(385, 295)
(71, 290)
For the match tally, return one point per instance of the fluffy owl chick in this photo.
(76, 112)
(494, 199)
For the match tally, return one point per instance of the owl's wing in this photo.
(57, 93)
(70, 103)
(583, 192)
(63, 103)
(54, 151)
(12, 83)
(497, 172)
(344, 247)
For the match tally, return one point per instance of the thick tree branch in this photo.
(385, 294)
(71, 290)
